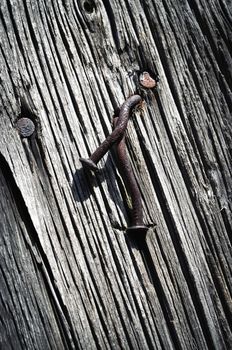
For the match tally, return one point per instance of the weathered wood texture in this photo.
(69, 278)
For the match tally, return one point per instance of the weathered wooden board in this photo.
(69, 277)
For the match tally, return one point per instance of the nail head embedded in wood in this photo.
(147, 81)
(26, 127)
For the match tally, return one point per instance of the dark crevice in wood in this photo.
(131, 16)
(53, 77)
(112, 96)
(2, 18)
(173, 17)
(38, 148)
(34, 151)
(14, 27)
(91, 18)
(220, 161)
(65, 5)
(108, 207)
(102, 261)
(42, 318)
(25, 216)
(58, 96)
(224, 296)
(89, 6)
(220, 57)
(209, 236)
(92, 326)
(160, 291)
(122, 192)
(64, 226)
(105, 316)
(125, 327)
(227, 222)
(199, 211)
(205, 160)
(30, 28)
(10, 76)
(153, 277)
(93, 281)
(75, 228)
(65, 42)
(20, 337)
(63, 335)
(227, 15)
(103, 121)
(222, 31)
(90, 270)
(162, 343)
(168, 70)
(7, 342)
(80, 17)
(110, 9)
(176, 284)
(100, 315)
(87, 37)
(221, 25)
(181, 257)
(68, 339)
(71, 93)
(62, 327)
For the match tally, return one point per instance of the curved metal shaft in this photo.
(117, 133)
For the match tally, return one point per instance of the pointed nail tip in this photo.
(88, 164)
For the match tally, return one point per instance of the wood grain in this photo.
(69, 277)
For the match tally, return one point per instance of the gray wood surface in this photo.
(69, 277)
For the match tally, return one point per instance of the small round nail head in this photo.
(25, 126)
(88, 164)
(147, 81)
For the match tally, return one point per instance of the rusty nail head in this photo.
(25, 126)
(147, 81)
